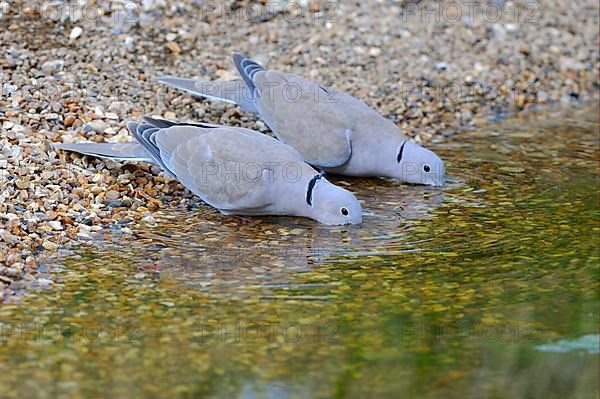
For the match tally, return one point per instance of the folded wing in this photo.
(302, 113)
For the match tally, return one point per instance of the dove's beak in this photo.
(439, 181)
(440, 177)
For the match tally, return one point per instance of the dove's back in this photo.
(236, 170)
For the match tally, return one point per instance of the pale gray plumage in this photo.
(118, 152)
(233, 91)
(332, 130)
(236, 170)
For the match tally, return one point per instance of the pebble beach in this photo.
(74, 73)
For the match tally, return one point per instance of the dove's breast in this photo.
(374, 141)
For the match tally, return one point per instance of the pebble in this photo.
(119, 107)
(375, 51)
(69, 120)
(173, 47)
(75, 33)
(97, 126)
(22, 184)
(56, 225)
(149, 219)
(113, 195)
(52, 67)
(50, 246)
(44, 282)
(441, 66)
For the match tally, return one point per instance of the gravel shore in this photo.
(79, 73)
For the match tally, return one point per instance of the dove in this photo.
(334, 131)
(236, 170)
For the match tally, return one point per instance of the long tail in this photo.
(232, 91)
(117, 152)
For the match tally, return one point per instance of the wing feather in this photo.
(300, 114)
(213, 163)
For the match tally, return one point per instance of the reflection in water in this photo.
(441, 293)
(254, 254)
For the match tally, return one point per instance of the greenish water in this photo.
(487, 288)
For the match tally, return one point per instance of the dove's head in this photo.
(330, 204)
(418, 165)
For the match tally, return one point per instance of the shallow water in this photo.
(441, 293)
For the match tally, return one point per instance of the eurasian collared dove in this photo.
(332, 130)
(238, 171)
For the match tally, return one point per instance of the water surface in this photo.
(460, 292)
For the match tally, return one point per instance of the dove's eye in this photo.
(344, 211)
(426, 168)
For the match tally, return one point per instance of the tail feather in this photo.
(247, 68)
(145, 134)
(118, 152)
(232, 92)
(145, 149)
(164, 124)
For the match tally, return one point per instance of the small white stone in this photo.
(84, 228)
(441, 66)
(56, 225)
(260, 125)
(98, 126)
(75, 33)
(148, 219)
(44, 281)
(375, 51)
(119, 107)
(129, 42)
(99, 111)
(50, 246)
